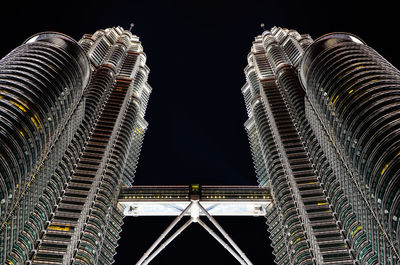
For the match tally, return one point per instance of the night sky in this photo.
(196, 54)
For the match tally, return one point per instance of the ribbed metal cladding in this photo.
(64, 210)
(356, 94)
(134, 151)
(308, 199)
(84, 226)
(40, 82)
(293, 246)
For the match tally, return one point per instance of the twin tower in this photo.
(323, 126)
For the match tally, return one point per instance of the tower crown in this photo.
(320, 45)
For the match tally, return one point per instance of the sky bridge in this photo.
(194, 201)
(172, 200)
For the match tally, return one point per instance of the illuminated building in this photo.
(323, 130)
(328, 147)
(65, 142)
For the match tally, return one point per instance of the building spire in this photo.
(131, 26)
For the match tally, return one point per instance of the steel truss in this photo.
(194, 208)
(194, 201)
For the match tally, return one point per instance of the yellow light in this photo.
(37, 119)
(357, 229)
(322, 203)
(59, 228)
(333, 103)
(384, 168)
(18, 105)
(34, 122)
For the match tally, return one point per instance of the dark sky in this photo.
(196, 54)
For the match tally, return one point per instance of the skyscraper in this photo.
(72, 116)
(323, 130)
(322, 126)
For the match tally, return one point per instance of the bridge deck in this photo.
(172, 200)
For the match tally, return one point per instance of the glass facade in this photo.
(352, 94)
(42, 83)
(67, 142)
(323, 122)
(323, 132)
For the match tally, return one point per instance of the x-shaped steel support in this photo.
(194, 207)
